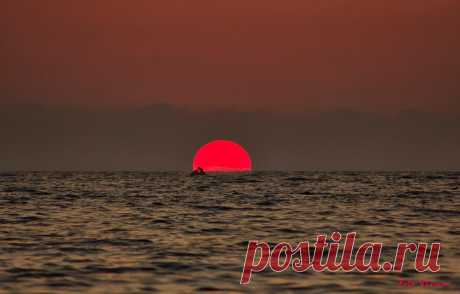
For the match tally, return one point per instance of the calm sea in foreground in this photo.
(131, 232)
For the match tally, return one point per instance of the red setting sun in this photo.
(222, 156)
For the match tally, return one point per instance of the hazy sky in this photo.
(330, 84)
(289, 55)
(166, 138)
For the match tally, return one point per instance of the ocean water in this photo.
(133, 232)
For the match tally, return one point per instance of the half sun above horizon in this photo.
(222, 156)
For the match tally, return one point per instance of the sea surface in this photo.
(140, 232)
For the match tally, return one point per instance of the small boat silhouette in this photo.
(198, 172)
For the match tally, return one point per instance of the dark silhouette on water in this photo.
(198, 172)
